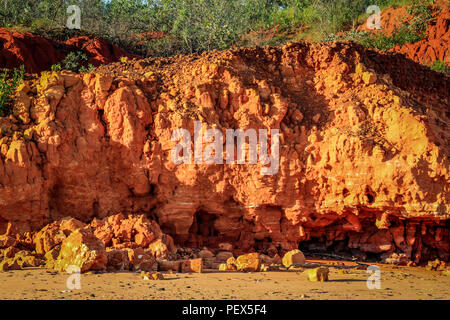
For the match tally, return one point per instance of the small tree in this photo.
(8, 87)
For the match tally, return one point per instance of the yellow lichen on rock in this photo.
(83, 250)
(49, 79)
(152, 276)
(318, 274)
(248, 262)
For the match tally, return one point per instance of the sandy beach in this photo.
(397, 283)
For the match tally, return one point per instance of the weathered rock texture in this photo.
(364, 153)
(83, 250)
(436, 43)
(37, 53)
(116, 243)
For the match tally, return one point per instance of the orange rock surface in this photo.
(195, 265)
(81, 250)
(391, 18)
(293, 257)
(318, 274)
(37, 53)
(435, 45)
(248, 262)
(364, 153)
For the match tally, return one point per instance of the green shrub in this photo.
(87, 69)
(74, 60)
(56, 67)
(42, 25)
(384, 42)
(440, 66)
(421, 14)
(7, 88)
(411, 32)
(309, 15)
(203, 25)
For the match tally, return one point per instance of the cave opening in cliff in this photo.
(370, 195)
(262, 245)
(417, 240)
(202, 230)
(333, 241)
(321, 247)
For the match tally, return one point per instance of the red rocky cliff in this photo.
(37, 53)
(364, 151)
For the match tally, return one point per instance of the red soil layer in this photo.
(34, 52)
(37, 53)
(98, 50)
(391, 19)
(434, 47)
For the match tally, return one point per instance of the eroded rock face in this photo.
(13, 258)
(189, 266)
(118, 260)
(363, 153)
(37, 53)
(434, 46)
(7, 241)
(133, 232)
(9, 264)
(141, 260)
(54, 234)
(248, 262)
(129, 243)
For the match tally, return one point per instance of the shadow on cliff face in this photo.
(202, 232)
(38, 54)
(97, 166)
(303, 109)
(410, 76)
(268, 227)
(402, 241)
(3, 225)
(422, 169)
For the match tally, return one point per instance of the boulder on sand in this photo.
(293, 257)
(83, 250)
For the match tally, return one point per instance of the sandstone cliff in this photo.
(364, 151)
(37, 53)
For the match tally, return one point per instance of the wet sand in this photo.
(396, 283)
